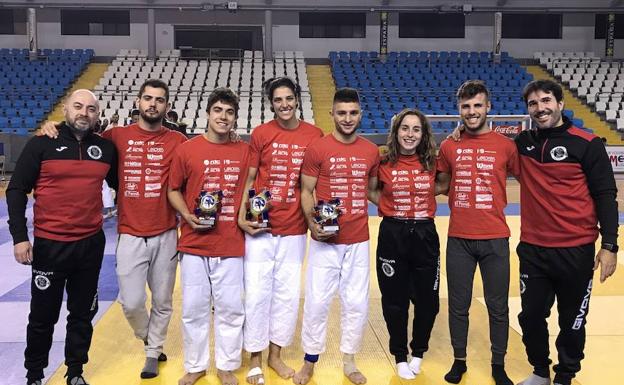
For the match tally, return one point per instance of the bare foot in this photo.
(255, 376)
(356, 377)
(227, 377)
(191, 378)
(276, 363)
(304, 374)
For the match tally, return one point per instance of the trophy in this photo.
(258, 209)
(326, 214)
(208, 207)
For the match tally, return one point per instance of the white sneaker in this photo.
(404, 371)
(414, 364)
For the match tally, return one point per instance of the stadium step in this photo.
(322, 89)
(581, 110)
(88, 79)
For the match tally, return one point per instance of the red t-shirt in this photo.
(478, 165)
(278, 153)
(342, 171)
(144, 160)
(201, 165)
(407, 190)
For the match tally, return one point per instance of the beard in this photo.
(152, 119)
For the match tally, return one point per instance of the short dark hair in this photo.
(272, 84)
(172, 115)
(224, 95)
(155, 83)
(472, 88)
(544, 85)
(346, 95)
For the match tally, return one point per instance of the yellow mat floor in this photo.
(117, 357)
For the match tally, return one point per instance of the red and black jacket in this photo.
(66, 175)
(567, 187)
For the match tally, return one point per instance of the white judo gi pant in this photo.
(331, 268)
(152, 260)
(272, 288)
(107, 196)
(206, 279)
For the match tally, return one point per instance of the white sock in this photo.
(404, 371)
(414, 364)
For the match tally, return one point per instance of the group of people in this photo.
(247, 272)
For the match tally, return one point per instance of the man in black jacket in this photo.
(567, 189)
(66, 175)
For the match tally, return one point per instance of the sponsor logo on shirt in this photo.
(132, 178)
(132, 164)
(400, 193)
(131, 194)
(358, 173)
(461, 196)
(485, 158)
(156, 149)
(463, 188)
(152, 186)
(465, 151)
(338, 194)
(485, 166)
(461, 204)
(359, 165)
(462, 158)
(152, 178)
(153, 171)
(151, 194)
(483, 206)
(463, 173)
(484, 198)
(154, 157)
(133, 171)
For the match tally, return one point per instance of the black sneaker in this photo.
(33, 382)
(78, 380)
(162, 357)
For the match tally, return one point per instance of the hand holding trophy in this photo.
(326, 215)
(207, 208)
(258, 208)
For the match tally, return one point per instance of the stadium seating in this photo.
(30, 89)
(427, 81)
(599, 83)
(191, 81)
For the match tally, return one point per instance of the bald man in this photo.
(66, 175)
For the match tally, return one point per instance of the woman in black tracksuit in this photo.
(408, 250)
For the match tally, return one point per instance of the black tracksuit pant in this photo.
(58, 266)
(546, 273)
(408, 269)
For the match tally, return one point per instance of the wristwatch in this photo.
(612, 247)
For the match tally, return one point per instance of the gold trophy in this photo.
(258, 207)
